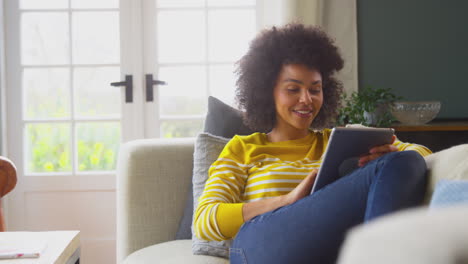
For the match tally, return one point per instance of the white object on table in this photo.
(59, 246)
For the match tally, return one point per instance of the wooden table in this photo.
(434, 126)
(62, 246)
(436, 135)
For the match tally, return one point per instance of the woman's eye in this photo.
(293, 89)
(315, 91)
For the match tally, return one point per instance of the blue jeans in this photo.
(312, 229)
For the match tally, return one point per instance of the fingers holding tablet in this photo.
(376, 152)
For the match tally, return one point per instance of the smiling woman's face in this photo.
(298, 98)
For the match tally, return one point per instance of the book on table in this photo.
(21, 249)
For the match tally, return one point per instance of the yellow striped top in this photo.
(251, 168)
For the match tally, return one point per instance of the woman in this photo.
(258, 189)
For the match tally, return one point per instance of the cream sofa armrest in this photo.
(153, 179)
(414, 236)
(448, 164)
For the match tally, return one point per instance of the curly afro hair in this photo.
(259, 68)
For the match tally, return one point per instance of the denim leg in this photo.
(312, 229)
(398, 181)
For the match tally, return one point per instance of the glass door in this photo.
(195, 47)
(65, 122)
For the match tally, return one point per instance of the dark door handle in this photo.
(128, 83)
(149, 86)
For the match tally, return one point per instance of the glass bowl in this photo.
(415, 113)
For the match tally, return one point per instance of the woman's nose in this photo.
(305, 97)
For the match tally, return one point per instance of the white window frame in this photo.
(206, 62)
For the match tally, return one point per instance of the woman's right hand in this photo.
(303, 189)
(252, 209)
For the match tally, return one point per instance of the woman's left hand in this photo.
(377, 152)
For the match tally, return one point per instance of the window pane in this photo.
(229, 33)
(223, 83)
(231, 2)
(48, 148)
(171, 129)
(181, 36)
(44, 38)
(97, 145)
(43, 4)
(96, 37)
(185, 93)
(180, 3)
(93, 94)
(179, 105)
(95, 4)
(46, 93)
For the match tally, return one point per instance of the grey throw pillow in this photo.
(185, 224)
(224, 120)
(221, 120)
(207, 149)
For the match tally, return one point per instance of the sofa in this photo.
(155, 175)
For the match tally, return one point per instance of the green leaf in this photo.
(366, 100)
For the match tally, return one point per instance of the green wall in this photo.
(419, 48)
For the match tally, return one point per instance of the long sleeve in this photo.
(251, 169)
(410, 146)
(219, 212)
(422, 150)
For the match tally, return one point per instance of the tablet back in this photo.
(345, 146)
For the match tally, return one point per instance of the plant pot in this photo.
(373, 118)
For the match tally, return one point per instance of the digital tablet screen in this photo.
(345, 146)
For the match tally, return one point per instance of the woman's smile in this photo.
(304, 113)
(298, 98)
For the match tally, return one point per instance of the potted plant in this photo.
(370, 107)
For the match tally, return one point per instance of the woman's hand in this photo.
(377, 152)
(252, 209)
(303, 189)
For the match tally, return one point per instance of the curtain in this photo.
(2, 75)
(337, 17)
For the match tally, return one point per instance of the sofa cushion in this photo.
(173, 252)
(448, 164)
(221, 120)
(415, 236)
(207, 150)
(185, 231)
(449, 193)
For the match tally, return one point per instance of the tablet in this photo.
(345, 146)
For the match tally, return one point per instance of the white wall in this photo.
(337, 17)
